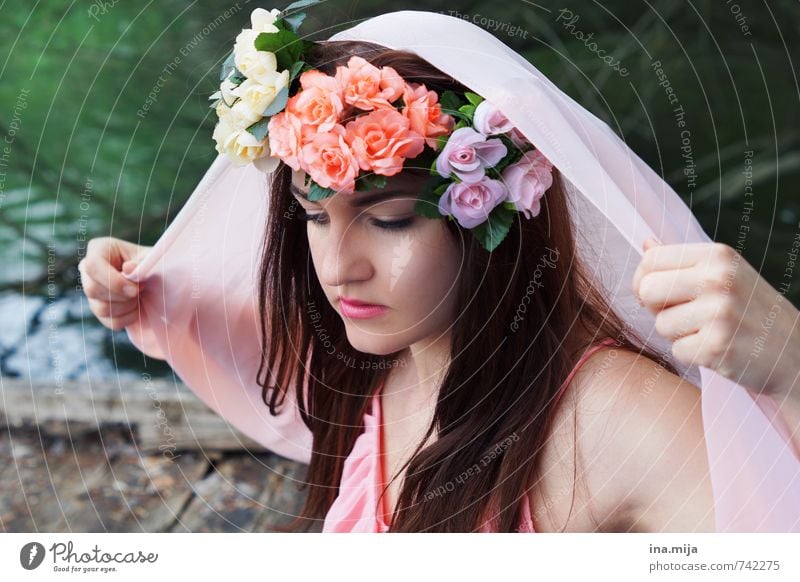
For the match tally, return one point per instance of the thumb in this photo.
(649, 243)
(128, 267)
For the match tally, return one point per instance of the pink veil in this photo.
(199, 310)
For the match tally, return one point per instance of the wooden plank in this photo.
(236, 495)
(163, 415)
(97, 485)
(139, 493)
(282, 499)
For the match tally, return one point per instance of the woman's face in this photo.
(379, 251)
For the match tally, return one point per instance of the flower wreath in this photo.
(349, 131)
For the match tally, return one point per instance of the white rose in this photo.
(226, 89)
(232, 138)
(239, 116)
(256, 97)
(262, 20)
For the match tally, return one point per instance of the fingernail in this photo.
(131, 290)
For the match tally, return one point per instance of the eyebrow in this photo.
(362, 199)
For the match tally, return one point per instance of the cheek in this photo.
(422, 274)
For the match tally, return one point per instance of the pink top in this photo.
(356, 507)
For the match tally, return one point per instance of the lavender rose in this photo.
(527, 181)
(489, 120)
(468, 153)
(471, 204)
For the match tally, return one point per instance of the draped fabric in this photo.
(199, 296)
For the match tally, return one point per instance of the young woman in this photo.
(443, 386)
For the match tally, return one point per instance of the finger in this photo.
(698, 349)
(94, 290)
(661, 289)
(117, 323)
(106, 282)
(663, 257)
(649, 243)
(682, 320)
(114, 308)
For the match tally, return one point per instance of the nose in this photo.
(342, 255)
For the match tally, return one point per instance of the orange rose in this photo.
(366, 86)
(285, 134)
(329, 161)
(319, 103)
(424, 113)
(382, 139)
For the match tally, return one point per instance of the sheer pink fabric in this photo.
(199, 299)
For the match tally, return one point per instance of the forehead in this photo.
(402, 181)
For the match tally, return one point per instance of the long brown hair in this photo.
(497, 396)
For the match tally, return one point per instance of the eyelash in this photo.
(385, 225)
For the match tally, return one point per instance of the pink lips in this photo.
(360, 310)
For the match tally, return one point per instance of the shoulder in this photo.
(636, 435)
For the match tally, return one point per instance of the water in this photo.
(59, 339)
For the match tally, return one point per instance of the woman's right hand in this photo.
(113, 299)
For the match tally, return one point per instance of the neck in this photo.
(426, 364)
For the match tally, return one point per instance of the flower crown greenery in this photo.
(352, 130)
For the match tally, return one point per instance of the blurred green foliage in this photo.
(107, 104)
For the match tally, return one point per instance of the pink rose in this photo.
(329, 161)
(366, 86)
(471, 204)
(319, 103)
(425, 114)
(489, 120)
(527, 180)
(285, 141)
(468, 153)
(381, 140)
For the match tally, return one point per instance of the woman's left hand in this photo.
(721, 314)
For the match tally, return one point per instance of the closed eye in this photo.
(383, 224)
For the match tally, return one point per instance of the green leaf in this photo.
(491, 232)
(299, 4)
(259, 129)
(473, 98)
(468, 111)
(237, 76)
(227, 67)
(370, 182)
(296, 68)
(278, 103)
(449, 100)
(427, 204)
(317, 192)
(285, 44)
(295, 20)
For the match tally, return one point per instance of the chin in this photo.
(375, 345)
